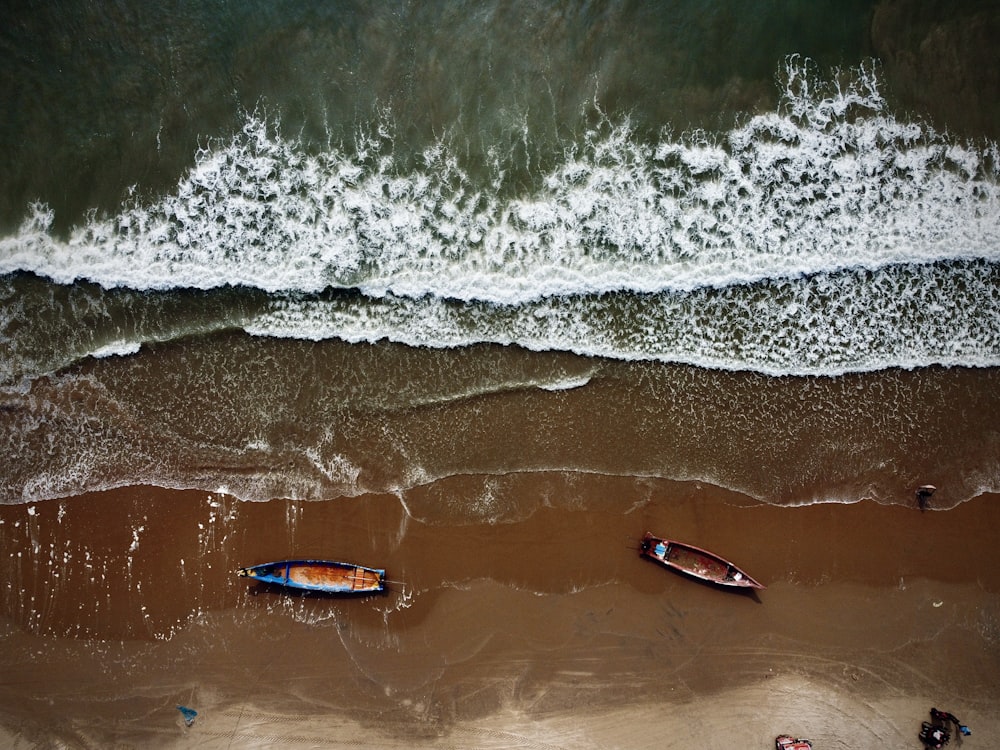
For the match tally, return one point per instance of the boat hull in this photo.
(695, 562)
(326, 576)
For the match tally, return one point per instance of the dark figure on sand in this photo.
(924, 495)
(933, 736)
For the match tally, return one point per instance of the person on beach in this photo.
(924, 495)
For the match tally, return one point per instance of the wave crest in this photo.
(829, 180)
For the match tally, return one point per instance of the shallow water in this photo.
(261, 418)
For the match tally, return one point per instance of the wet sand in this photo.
(546, 632)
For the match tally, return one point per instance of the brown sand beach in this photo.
(545, 632)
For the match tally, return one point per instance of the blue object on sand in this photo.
(188, 714)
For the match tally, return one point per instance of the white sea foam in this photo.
(828, 181)
(336, 468)
(826, 324)
(565, 384)
(117, 349)
(823, 237)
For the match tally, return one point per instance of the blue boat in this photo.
(325, 576)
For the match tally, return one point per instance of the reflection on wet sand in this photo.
(134, 592)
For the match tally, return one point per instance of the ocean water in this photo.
(307, 250)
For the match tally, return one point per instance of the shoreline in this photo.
(479, 299)
(409, 429)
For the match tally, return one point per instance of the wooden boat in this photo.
(695, 561)
(325, 576)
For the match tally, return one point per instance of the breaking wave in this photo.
(822, 237)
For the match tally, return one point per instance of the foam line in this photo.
(828, 181)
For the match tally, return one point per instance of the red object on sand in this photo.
(787, 742)
(696, 562)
